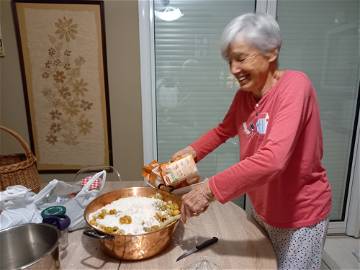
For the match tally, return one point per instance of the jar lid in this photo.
(59, 221)
(53, 211)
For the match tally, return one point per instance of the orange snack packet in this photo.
(172, 174)
(184, 168)
(151, 173)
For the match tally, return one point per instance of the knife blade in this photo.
(198, 247)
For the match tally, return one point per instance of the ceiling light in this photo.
(169, 14)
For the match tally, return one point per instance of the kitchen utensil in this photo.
(29, 246)
(131, 247)
(198, 247)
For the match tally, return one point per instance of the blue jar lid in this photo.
(59, 221)
(53, 211)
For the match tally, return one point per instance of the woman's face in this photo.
(250, 67)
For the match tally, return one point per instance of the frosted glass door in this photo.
(193, 84)
(322, 38)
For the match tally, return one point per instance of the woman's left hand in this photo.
(196, 201)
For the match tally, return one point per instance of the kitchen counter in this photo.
(241, 245)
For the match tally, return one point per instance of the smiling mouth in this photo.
(243, 79)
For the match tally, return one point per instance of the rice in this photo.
(133, 215)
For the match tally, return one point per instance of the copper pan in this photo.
(132, 247)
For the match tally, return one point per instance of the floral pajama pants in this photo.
(299, 248)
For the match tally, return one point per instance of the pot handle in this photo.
(97, 235)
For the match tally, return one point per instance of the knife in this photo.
(198, 247)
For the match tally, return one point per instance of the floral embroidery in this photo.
(59, 76)
(79, 87)
(85, 126)
(52, 51)
(55, 127)
(67, 66)
(48, 64)
(55, 115)
(66, 91)
(70, 138)
(79, 61)
(67, 52)
(85, 105)
(52, 139)
(66, 29)
(57, 62)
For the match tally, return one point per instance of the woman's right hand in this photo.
(188, 150)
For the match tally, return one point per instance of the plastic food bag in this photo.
(62, 194)
(19, 205)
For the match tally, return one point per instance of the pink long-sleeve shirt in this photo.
(280, 153)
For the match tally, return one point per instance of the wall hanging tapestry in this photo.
(63, 62)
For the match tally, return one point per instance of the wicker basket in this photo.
(19, 169)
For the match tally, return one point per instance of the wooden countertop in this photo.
(241, 244)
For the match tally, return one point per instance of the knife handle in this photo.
(207, 243)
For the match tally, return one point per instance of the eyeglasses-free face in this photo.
(243, 59)
(250, 67)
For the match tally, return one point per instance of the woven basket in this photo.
(19, 169)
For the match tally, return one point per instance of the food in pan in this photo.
(135, 215)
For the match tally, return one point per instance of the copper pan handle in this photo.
(98, 235)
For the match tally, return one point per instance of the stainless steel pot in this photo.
(132, 247)
(29, 246)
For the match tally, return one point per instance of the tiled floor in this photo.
(341, 252)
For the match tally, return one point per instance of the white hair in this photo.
(258, 30)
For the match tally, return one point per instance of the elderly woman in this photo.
(275, 114)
